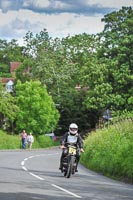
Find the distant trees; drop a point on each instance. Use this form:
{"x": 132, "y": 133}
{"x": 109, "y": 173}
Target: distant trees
{"x": 102, "y": 64}
{"x": 10, "y": 51}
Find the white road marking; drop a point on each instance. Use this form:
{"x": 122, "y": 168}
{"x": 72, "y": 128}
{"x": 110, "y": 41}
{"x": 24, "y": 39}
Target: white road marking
{"x": 22, "y": 163}
{"x": 31, "y": 156}
{"x": 38, "y": 177}
{"x": 71, "y": 193}
{"x": 24, "y": 168}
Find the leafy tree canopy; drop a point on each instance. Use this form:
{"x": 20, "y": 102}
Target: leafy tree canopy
{"x": 37, "y": 110}
{"x": 8, "y": 106}
{"x": 110, "y": 74}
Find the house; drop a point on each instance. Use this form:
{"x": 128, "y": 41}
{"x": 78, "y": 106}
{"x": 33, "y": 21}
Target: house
{"x": 8, "y": 82}
{"x": 9, "y": 86}
{"x": 14, "y": 66}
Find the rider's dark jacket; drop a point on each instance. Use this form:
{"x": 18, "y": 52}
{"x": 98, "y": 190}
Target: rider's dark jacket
{"x": 73, "y": 139}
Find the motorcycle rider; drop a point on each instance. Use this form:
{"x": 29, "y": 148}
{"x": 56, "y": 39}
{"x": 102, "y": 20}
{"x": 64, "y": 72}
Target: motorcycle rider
{"x": 72, "y": 137}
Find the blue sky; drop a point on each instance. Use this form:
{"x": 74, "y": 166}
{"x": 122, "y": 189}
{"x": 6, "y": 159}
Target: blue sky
{"x": 60, "y": 17}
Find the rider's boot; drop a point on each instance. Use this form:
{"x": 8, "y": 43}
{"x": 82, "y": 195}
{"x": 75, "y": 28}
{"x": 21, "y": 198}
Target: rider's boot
{"x": 76, "y": 168}
{"x": 61, "y": 167}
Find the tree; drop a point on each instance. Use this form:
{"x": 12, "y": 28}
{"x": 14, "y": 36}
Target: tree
{"x": 58, "y": 64}
{"x": 116, "y": 53}
{"x": 110, "y": 74}
{"x": 24, "y": 72}
{"x": 10, "y": 51}
{"x": 8, "y": 109}
{"x": 37, "y": 109}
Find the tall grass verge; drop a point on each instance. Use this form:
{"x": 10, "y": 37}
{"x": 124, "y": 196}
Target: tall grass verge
{"x": 110, "y": 151}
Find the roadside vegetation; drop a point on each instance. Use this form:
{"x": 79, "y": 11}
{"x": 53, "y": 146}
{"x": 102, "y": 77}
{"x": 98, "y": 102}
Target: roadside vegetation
{"x": 13, "y": 141}
{"x": 109, "y": 151}
{"x": 73, "y": 79}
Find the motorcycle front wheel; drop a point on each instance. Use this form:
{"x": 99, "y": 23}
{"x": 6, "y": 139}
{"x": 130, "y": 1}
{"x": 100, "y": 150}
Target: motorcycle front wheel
{"x": 69, "y": 171}
{"x": 71, "y": 168}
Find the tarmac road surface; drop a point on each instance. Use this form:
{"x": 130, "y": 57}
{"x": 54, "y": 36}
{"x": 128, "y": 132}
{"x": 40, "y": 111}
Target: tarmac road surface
{"x": 34, "y": 175}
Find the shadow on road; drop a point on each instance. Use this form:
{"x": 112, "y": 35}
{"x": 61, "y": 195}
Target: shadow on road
{"x": 30, "y": 196}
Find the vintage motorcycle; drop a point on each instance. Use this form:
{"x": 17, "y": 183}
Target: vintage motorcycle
{"x": 69, "y": 161}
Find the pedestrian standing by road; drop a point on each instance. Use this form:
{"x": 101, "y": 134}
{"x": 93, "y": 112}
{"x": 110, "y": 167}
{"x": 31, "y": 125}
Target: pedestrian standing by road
{"x": 23, "y": 139}
{"x": 30, "y": 140}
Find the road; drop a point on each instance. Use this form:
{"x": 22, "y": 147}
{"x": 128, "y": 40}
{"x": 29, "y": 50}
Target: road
{"x": 34, "y": 175}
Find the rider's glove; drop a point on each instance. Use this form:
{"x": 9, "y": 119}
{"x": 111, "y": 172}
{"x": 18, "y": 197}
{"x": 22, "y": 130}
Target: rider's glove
{"x": 62, "y": 146}
{"x": 82, "y": 150}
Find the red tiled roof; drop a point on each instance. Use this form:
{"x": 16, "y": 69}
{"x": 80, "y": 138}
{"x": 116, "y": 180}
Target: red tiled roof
{"x": 13, "y": 67}
{"x": 5, "y": 80}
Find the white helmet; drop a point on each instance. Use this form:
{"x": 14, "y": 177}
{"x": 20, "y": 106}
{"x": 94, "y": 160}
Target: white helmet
{"x": 73, "y": 129}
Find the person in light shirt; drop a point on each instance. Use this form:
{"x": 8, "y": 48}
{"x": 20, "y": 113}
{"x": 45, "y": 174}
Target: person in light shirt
{"x": 30, "y": 140}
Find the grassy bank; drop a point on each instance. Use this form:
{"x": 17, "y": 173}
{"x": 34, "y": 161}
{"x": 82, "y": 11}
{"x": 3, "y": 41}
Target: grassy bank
{"x": 110, "y": 151}
{"x": 14, "y": 142}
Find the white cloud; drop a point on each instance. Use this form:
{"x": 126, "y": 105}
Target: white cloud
{"x": 41, "y": 3}
{"x": 57, "y": 4}
{"x": 59, "y": 25}
{"x": 5, "y": 5}
{"x": 66, "y": 24}
{"x": 112, "y": 3}
{"x": 29, "y": 15}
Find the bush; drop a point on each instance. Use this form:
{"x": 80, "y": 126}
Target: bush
{"x": 43, "y": 141}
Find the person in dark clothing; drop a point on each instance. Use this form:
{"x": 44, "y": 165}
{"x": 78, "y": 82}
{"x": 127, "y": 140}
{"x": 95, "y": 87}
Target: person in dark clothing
{"x": 71, "y": 137}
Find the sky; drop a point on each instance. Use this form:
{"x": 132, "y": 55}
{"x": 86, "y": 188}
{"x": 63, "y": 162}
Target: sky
{"x": 59, "y": 17}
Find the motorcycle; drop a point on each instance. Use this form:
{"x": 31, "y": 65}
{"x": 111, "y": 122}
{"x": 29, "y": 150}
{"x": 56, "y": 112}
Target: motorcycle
{"x": 69, "y": 162}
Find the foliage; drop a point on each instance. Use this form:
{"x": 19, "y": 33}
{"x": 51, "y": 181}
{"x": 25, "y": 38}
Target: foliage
{"x": 23, "y": 73}
{"x": 101, "y": 63}
{"x": 44, "y": 141}
{"x": 109, "y": 73}
{"x": 4, "y": 68}
{"x": 9, "y": 141}
{"x": 110, "y": 151}
{"x": 8, "y": 108}
{"x": 14, "y": 142}
{"x": 55, "y": 64}
{"x": 10, "y": 51}
{"x": 116, "y": 52}
{"x": 37, "y": 110}
{"x": 119, "y": 116}
{"x": 5, "y": 75}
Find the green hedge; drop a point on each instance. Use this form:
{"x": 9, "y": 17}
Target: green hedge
{"x": 110, "y": 151}
{"x": 5, "y": 75}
